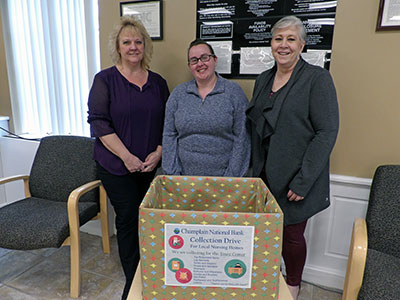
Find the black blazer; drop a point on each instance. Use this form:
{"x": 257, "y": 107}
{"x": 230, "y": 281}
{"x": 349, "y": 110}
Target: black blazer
{"x": 300, "y": 130}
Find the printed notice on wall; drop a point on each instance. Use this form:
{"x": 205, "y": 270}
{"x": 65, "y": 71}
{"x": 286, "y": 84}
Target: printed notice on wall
{"x": 255, "y": 60}
{"x": 208, "y": 255}
{"x": 223, "y": 50}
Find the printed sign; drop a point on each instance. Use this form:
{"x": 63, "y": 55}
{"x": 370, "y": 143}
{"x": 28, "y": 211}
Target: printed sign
{"x": 216, "y": 30}
{"x": 310, "y": 6}
{"x": 208, "y": 255}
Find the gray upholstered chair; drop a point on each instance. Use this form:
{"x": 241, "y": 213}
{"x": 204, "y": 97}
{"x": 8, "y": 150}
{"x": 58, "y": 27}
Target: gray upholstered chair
{"x": 62, "y": 193}
{"x": 373, "y": 269}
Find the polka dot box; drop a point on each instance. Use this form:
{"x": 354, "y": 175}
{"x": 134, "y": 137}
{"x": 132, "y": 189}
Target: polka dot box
{"x": 221, "y": 201}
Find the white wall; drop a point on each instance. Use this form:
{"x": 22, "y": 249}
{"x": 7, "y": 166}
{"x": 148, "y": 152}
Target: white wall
{"x": 4, "y": 125}
{"x": 328, "y": 233}
{"x": 16, "y": 159}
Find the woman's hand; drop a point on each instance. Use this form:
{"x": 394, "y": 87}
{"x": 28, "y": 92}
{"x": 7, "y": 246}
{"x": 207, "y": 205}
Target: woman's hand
{"x": 133, "y": 163}
{"x": 152, "y": 160}
{"x": 113, "y": 144}
{"x": 292, "y": 196}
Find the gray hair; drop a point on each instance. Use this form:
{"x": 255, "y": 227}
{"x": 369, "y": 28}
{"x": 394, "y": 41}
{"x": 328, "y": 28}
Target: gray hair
{"x": 289, "y": 21}
{"x": 136, "y": 27}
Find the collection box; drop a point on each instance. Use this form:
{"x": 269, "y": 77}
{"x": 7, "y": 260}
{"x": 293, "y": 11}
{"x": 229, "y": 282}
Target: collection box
{"x": 210, "y": 238}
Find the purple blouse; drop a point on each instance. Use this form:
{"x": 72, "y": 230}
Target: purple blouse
{"x": 136, "y": 116}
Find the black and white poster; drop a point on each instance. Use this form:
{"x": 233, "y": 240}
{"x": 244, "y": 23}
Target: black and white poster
{"x": 247, "y": 24}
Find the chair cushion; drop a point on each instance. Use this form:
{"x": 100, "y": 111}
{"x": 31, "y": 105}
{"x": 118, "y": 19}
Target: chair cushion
{"x": 35, "y": 223}
{"x": 381, "y": 277}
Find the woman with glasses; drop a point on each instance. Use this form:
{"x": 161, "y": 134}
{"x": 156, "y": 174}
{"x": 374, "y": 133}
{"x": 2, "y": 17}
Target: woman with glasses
{"x": 205, "y": 122}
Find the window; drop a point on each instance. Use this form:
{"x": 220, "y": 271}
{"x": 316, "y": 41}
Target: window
{"x": 52, "y": 52}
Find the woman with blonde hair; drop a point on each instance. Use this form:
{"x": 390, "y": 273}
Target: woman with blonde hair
{"x": 126, "y": 115}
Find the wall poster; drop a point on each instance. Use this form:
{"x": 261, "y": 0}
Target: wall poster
{"x": 241, "y": 31}
{"x": 147, "y": 11}
{"x": 388, "y": 15}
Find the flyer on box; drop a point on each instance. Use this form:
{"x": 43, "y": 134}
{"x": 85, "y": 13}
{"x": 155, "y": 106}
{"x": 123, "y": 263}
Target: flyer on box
{"x": 208, "y": 255}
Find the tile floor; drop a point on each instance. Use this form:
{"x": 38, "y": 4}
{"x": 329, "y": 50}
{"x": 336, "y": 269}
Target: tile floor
{"x": 44, "y": 274}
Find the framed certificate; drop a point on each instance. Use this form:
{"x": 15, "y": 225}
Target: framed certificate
{"x": 388, "y": 15}
{"x": 149, "y": 12}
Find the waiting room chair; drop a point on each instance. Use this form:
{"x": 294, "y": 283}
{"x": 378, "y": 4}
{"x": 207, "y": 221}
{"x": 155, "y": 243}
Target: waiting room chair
{"x": 62, "y": 193}
{"x": 373, "y": 268}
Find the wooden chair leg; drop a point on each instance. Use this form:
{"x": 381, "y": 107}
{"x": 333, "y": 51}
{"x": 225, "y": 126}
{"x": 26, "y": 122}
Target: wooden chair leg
{"x": 75, "y": 283}
{"x": 75, "y": 246}
{"x": 104, "y": 220}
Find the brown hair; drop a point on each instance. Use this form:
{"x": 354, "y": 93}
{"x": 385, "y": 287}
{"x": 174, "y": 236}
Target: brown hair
{"x": 197, "y": 42}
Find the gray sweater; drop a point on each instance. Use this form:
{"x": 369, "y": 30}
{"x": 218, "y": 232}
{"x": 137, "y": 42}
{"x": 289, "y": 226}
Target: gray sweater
{"x": 206, "y": 137}
{"x": 300, "y": 129}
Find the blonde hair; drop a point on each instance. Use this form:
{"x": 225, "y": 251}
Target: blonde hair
{"x": 136, "y": 27}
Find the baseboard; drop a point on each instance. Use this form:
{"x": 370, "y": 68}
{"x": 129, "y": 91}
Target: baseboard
{"x": 323, "y": 277}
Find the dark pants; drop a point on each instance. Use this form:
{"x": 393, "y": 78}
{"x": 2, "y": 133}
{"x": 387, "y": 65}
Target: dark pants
{"x": 294, "y": 252}
{"x": 294, "y": 248}
{"x": 126, "y": 192}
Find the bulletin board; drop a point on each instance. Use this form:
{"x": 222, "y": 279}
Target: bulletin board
{"x": 240, "y": 31}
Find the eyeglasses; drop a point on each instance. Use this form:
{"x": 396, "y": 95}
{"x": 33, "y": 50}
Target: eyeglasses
{"x": 204, "y": 58}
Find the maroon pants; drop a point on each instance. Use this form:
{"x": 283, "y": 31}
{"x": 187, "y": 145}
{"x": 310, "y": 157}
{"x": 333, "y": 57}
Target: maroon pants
{"x": 294, "y": 251}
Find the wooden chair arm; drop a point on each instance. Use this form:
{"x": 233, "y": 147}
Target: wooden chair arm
{"x": 74, "y": 235}
{"x": 74, "y": 197}
{"x": 356, "y": 261}
{"x": 25, "y": 178}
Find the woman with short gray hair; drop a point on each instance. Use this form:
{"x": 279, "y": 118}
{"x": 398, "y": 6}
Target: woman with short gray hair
{"x": 293, "y": 122}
